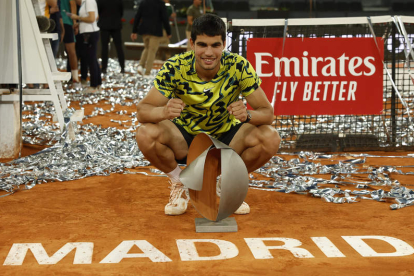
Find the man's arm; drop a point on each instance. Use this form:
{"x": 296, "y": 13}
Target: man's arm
{"x": 155, "y": 107}
{"x": 62, "y": 27}
{"x": 190, "y": 17}
{"x": 87, "y": 19}
{"x": 262, "y": 113}
{"x": 51, "y": 3}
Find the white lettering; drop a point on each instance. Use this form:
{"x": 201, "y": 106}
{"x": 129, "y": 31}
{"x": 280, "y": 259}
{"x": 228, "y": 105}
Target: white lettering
{"x": 188, "y": 250}
{"x": 401, "y": 247}
{"x": 331, "y": 66}
{"x": 17, "y": 254}
{"x": 305, "y": 64}
{"x": 149, "y": 251}
{"x": 307, "y": 91}
{"x": 327, "y": 247}
{"x": 316, "y": 92}
{"x": 334, "y": 83}
{"x": 351, "y": 90}
{"x": 259, "y": 63}
{"x": 354, "y": 63}
{"x": 261, "y": 251}
{"x": 325, "y": 91}
{"x": 342, "y": 90}
{"x": 284, "y": 99}
{"x": 342, "y": 65}
{"x": 287, "y": 62}
{"x": 293, "y": 86}
{"x": 315, "y": 65}
{"x": 369, "y": 65}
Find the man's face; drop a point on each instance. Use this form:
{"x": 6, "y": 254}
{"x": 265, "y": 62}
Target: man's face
{"x": 197, "y": 2}
{"x": 207, "y": 50}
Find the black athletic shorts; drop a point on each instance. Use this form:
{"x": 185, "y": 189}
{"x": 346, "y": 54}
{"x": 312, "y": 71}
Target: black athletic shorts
{"x": 225, "y": 137}
{"x": 69, "y": 34}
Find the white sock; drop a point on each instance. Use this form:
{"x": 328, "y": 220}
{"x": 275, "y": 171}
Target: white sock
{"x": 175, "y": 174}
{"x": 75, "y": 75}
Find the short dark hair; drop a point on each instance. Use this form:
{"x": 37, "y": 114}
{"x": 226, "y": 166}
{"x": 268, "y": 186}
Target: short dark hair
{"x": 208, "y": 24}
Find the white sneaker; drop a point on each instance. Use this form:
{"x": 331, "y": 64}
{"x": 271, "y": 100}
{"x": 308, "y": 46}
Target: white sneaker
{"x": 140, "y": 70}
{"x": 244, "y": 208}
{"x": 77, "y": 85}
{"x": 96, "y": 90}
{"x": 177, "y": 204}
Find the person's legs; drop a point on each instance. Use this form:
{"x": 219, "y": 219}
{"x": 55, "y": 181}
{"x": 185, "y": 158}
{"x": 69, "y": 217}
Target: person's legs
{"x": 69, "y": 41}
{"x": 162, "y": 144}
{"x": 55, "y": 45}
{"x": 104, "y": 49}
{"x": 165, "y": 41}
{"x": 154, "y": 43}
{"x": 93, "y": 64}
{"x": 144, "y": 55}
{"x": 82, "y": 58}
{"x": 255, "y": 144}
{"x": 116, "y": 35}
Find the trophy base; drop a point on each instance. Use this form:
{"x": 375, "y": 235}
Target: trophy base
{"x": 204, "y": 225}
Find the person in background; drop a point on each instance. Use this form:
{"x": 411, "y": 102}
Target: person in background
{"x": 193, "y": 12}
{"x": 149, "y": 21}
{"x": 110, "y": 16}
{"x": 68, "y": 7}
{"x": 81, "y": 57}
{"x": 88, "y": 27}
{"x": 59, "y": 28}
{"x": 165, "y": 39}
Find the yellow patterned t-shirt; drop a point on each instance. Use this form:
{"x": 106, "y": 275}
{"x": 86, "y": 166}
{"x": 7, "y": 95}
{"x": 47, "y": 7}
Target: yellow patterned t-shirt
{"x": 207, "y": 101}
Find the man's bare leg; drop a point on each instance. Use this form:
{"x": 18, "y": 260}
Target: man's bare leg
{"x": 73, "y": 60}
{"x": 162, "y": 144}
{"x": 256, "y": 145}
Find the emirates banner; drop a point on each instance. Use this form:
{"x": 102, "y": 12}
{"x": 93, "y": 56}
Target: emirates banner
{"x": 320, "y": 76}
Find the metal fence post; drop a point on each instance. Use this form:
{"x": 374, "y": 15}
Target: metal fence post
{"x": 393, "y": 95}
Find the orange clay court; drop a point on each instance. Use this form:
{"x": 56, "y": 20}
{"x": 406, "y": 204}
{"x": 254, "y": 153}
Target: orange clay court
{"x": 115, "y": 225}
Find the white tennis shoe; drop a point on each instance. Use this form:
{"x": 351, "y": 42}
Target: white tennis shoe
{"x": 140, "y": 70}
{"x": 177, "y": 204}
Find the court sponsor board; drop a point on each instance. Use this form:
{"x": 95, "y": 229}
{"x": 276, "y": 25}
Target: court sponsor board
{"x": 320, "y": 76}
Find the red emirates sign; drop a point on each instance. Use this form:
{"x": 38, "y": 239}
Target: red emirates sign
{"x": 320, "y": 76}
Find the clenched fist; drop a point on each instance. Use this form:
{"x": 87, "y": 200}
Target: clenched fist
{"x": 173, "y": 108}
{"x": 238, "y": 110}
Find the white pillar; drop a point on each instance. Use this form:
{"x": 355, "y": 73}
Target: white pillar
{"x": 9, "y": 129}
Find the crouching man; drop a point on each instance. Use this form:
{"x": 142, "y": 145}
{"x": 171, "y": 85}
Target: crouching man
{"x": 199, "y": 92}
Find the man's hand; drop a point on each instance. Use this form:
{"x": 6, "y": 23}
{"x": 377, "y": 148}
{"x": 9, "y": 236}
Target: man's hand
{"x": 238, "y": 110}
{"x": 134, "y": 36}
{"x": 173, "y": 108}
{"x": 76, "y": 28}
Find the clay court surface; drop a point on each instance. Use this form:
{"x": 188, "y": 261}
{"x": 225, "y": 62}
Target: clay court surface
{"x": 127, "y": 210}
{"x": 107, "y": 211}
